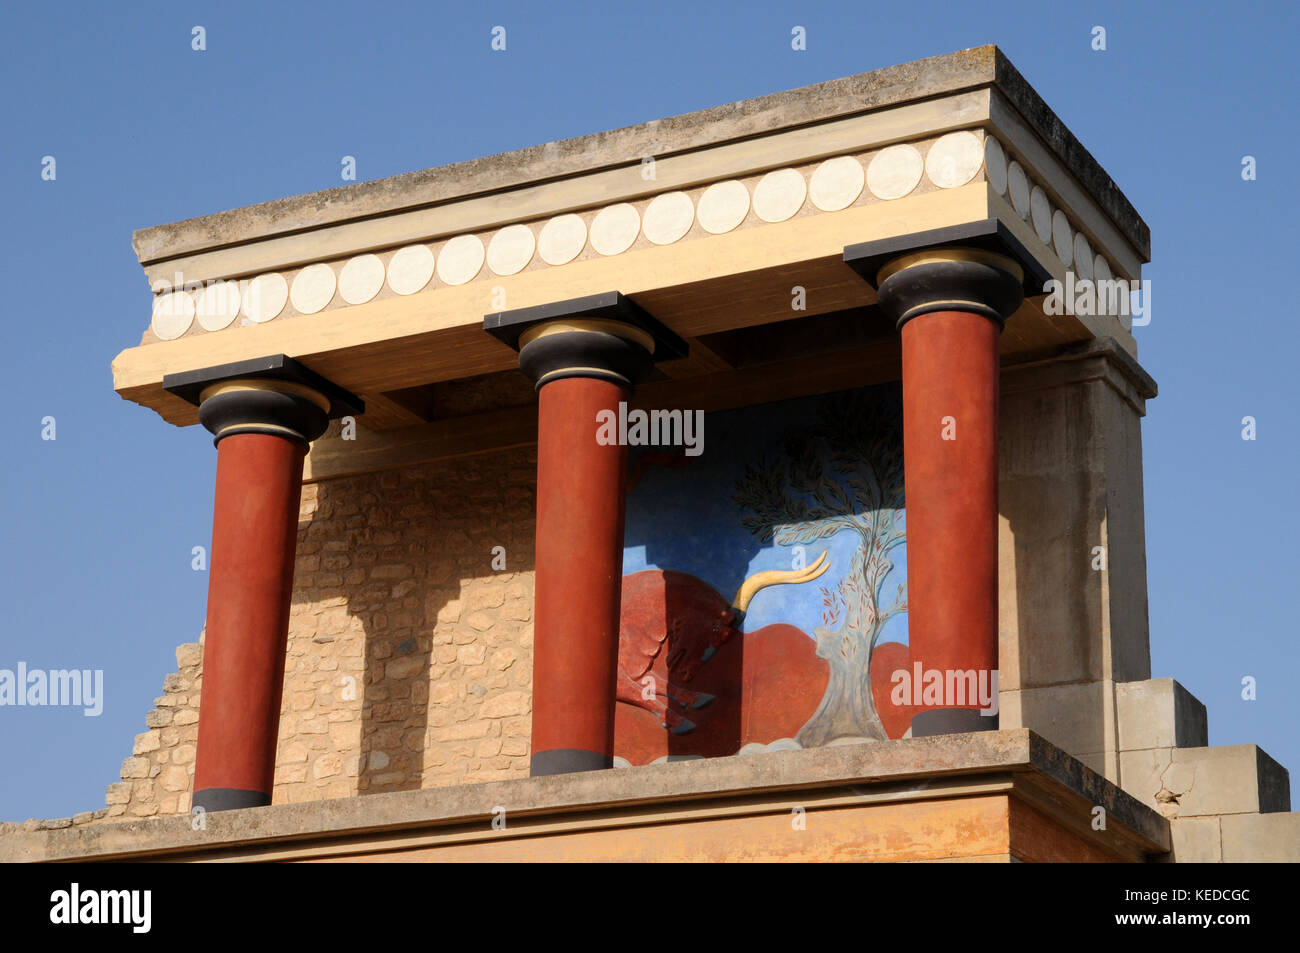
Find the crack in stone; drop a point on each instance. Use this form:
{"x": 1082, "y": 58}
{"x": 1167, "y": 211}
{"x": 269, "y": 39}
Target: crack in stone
{"x": 1167, "y": 800}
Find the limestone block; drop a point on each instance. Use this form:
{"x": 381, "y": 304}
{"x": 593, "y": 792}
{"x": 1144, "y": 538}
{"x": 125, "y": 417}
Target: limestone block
{"x": 1255, "y": 838}
{"x": 1072, "y": 600}
{"x": 188, "y": 655}
{"x": 1196, "y": 840}
{"x": 1159, "y": 713}
{"x": 175, "y": 778}
{"x": 507, "y": 703}
{"x": 1197, "y": 782}
{"x": 1076, "y": 718}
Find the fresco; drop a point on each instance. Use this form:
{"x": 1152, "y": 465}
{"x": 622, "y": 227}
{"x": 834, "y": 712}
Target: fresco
{"x": 764, "y": 587}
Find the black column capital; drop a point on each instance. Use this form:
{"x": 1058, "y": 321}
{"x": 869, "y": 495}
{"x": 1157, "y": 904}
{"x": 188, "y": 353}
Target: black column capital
{"x": 273, "y": 395}
{"x": 605, "y": 336}
{"x": 980, "y": 267}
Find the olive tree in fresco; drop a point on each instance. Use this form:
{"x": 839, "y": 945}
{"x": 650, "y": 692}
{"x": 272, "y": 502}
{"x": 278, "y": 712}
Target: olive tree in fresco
{"x": 844, "y": 473}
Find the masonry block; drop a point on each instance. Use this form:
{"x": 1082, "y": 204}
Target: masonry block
{"x": 1159, "y": 713}
{"x": 1197, "y": 782}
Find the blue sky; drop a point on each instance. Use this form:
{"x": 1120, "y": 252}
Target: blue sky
{"x": 99, "y": 524}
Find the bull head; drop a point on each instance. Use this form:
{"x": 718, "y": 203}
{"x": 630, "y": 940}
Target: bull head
{"x": 761, "y": 580}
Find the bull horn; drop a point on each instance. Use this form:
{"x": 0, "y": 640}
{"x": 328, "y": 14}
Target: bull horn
{"x": 777, "y": 577}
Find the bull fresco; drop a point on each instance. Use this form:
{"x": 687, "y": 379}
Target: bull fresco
{"x": 764, "y": 589}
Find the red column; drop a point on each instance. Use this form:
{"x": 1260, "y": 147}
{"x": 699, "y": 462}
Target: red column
{"x": 263, "y": 414}
{"x": 585, "y": 355}
{"x": 254, "y": 538}
{"x": 950, "y": 438}
{"x": 950, "y": 302}
{"x": 579, "y": 566}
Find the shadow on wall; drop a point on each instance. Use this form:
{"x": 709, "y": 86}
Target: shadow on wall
{"x": 410, "y": 648}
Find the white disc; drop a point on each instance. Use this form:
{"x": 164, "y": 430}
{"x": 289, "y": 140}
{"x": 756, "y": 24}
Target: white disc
{"x": 361, "y": 279}
{"x": 511, "y": 249}
{"x": 1101, "y": 268}
{"x": 461, "y": 259}
{"x": 1018, "y": 186}
{"x": 837, "y": 183}
{"x": 410, "y": 269}
{"x": 217, "y": 305}
{"x": 615, "y": 228}
{"x": 173, "y": 313}
{"x": 668, "y": 217}
{"x": 1062, "y": 237}
{"x": 313, "y": 288}
{"x": 779, "y": 195}
{"x": 723, "y": 206}
{"x": 1082, "y": 256}
{"x": 1041, "y": 211}
{"x": 894, "y": 172}
{"x": 562, "y": 239}
{"x": 995, "y": 164}
{"x": 954, "y": 159}
{"x": 264, "y": 298}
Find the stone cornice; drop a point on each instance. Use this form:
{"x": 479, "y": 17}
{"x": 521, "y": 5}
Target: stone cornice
{"x": 1014, "y": 759}
{"x": 948, "y": 75}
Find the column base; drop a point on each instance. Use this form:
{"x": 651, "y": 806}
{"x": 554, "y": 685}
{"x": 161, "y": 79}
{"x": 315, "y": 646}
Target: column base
{"x": 951, "y": 721}
{"x": 567, "y": 761}
{"x": 229, "y": 799}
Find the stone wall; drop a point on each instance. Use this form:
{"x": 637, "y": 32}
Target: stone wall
{"x": 409, "y": 657}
